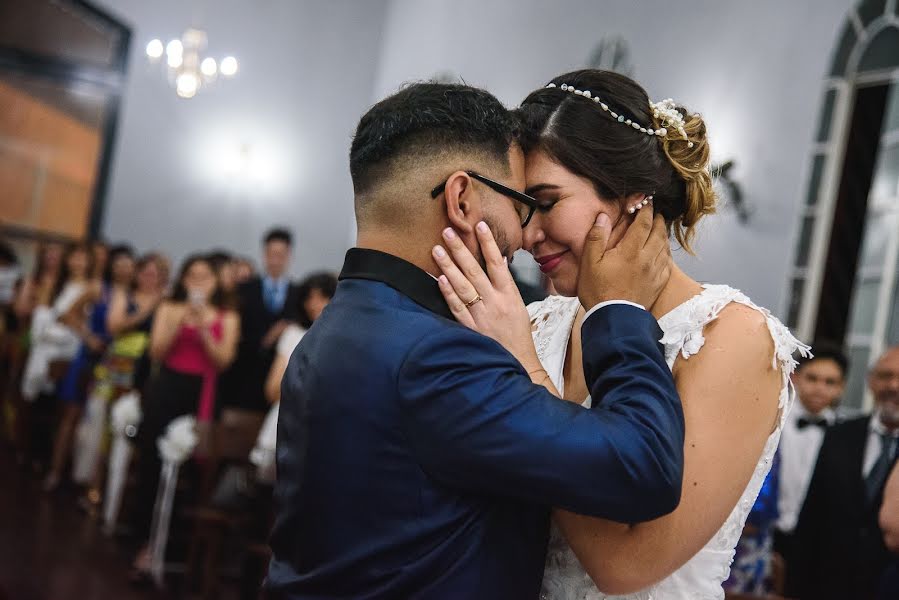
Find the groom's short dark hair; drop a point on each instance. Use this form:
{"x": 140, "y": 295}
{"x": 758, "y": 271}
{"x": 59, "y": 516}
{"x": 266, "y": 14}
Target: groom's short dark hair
{"x": 425, "y": 120}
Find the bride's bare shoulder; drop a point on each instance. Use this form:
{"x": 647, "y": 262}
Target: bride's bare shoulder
{"x": 738, "y": 341}
{"x": 741, "y": 320}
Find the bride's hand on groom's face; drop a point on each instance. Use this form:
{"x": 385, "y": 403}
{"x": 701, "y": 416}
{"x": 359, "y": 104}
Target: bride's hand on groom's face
{"x": 487, "y": 302}
{"x": 636, "y": 269}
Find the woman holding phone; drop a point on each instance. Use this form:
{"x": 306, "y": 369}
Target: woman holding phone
{"x": 193, "y": 338}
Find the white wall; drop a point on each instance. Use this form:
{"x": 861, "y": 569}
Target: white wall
{"x": 310, "y": 69}
{"x": 753, "y": 69}
{"x": 306, "y": 74}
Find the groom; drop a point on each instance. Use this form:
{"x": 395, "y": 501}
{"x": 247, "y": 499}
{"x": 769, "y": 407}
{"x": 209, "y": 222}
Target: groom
{"x": 416, "y": 458}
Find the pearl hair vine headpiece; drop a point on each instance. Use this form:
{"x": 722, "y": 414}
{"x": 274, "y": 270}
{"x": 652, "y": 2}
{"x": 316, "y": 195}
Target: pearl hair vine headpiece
{"x": 665, "y": 111}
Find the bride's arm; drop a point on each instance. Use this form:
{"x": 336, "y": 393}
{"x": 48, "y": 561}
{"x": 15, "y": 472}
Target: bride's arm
{"x": 729, "y": 394}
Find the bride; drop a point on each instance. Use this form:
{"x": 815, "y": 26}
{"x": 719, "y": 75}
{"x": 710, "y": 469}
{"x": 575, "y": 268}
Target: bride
{"x": 596, "y": 145}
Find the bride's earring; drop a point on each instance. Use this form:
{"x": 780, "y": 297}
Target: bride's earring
{"x": 639, "y": 205}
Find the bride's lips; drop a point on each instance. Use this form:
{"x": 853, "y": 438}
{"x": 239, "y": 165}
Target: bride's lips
{"x": 550, "y": 262}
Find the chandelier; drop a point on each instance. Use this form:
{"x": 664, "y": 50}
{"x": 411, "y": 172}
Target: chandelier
{"x": 187, "y": 69}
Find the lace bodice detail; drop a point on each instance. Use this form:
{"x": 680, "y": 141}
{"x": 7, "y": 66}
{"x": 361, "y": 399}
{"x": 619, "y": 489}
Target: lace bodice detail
{"x": 702, "y": 576}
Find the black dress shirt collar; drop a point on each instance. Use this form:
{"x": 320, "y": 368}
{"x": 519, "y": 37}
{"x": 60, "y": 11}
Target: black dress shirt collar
{"x": 403, "y": 276}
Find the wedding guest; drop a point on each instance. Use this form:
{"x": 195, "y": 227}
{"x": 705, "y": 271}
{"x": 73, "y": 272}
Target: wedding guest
{"x": 819, "y": 382}
{"x": 128, "y": 323}
{"x": 130, "y": 319}
{"x": 73, "y": 387}
{"x": 51, "y": 339}
{"x": 839, "y": 547}
{"x": 243, "y": 270}
{"x": 267, "y": 305}
{"x": 193, "y": 338}
{"x": 314, "y": 294}
{"x": 53, "y": 343}
{"x": 225, "y": 268}
{"x": 40, "y": 283}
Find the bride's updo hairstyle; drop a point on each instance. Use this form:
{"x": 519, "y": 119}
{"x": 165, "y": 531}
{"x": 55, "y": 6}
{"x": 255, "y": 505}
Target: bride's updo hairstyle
{"x": 590, "y": 138}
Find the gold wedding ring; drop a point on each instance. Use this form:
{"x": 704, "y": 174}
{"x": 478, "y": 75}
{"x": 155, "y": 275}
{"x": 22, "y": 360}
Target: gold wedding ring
{"x": 473, "y": 302}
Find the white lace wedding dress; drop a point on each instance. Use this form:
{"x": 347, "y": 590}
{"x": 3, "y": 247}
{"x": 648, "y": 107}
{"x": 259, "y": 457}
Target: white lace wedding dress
{"x": 702, "y": 576}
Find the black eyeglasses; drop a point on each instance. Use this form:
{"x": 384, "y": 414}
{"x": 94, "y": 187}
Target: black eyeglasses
{"x": 527, "y": 201}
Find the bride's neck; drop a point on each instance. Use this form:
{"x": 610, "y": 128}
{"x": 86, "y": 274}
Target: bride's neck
{"x": 680, "y": 288}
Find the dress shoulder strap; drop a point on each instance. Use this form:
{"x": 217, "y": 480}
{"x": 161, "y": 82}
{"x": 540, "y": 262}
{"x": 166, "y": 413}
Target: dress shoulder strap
{"x": 684, "y": 325}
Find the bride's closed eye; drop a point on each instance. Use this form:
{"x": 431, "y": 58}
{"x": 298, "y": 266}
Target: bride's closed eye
{"x": 546, "y": 194}
{"x": 547, "y": 201}
{"x": 544, "y": 206}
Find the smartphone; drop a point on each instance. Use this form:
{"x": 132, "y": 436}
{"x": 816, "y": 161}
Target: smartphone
{"x": 197, "y": 298}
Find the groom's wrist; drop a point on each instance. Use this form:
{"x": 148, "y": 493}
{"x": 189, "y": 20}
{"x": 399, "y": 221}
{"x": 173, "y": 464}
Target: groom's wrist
{"x": 602, "y": 305}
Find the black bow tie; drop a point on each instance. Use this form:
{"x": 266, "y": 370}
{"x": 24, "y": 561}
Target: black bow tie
{"x": 803, "y": 422}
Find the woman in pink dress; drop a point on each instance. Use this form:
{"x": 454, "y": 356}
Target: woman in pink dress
{"x": 193, "y": 338}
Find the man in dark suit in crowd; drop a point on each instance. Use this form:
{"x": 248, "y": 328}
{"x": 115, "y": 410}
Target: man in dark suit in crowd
{"x": 267, "y": 304}
{"x": 839, "y": 546}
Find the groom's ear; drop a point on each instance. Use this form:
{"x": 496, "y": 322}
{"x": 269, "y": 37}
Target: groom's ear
{"x": 460, "y": 202}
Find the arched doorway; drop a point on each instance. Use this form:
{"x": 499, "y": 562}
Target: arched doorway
{"x": 845, "y": 276}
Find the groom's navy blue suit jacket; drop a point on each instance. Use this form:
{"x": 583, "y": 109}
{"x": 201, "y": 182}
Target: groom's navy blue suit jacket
{"x": 417, "y": 460}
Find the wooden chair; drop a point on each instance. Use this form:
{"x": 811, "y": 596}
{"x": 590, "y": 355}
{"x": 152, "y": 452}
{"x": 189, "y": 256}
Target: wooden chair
{"x": 232, "y": 439}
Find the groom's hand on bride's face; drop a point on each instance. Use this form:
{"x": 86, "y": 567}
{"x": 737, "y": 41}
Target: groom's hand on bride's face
{"x": 636, "y": 269}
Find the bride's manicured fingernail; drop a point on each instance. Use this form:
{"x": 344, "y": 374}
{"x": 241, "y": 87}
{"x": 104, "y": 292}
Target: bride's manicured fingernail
{"x": 482, "y": 227}
{"x": 449, "y": 234}
{"x": 439, "y": 252}
{"x": 442, "y": 279}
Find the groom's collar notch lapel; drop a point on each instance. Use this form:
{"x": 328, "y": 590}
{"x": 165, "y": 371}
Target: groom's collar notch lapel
{"x": 403, "y": 276}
